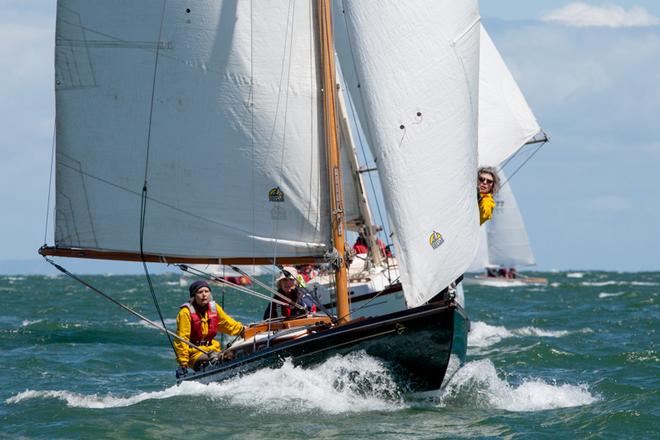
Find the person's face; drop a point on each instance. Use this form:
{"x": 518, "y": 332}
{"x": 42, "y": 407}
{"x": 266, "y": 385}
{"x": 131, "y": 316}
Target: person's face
{"x": 287, "y": 284}
{"x": 485, "y": 183}
{"x": 203, "y": 296}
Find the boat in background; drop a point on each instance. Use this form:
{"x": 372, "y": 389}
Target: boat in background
{"x": 504, "y": 247}
{"x": 509, "y": 126}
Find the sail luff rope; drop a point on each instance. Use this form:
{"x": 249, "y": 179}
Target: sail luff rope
{"x": 143, "y": 204}
{"x": 50, "y": 185}
{"x": 123, "y": 306}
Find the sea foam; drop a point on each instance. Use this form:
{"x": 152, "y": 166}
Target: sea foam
{"x": 477, "y": 384}
{"x": 351, "y": 383}
{"x": 485, "y": 335}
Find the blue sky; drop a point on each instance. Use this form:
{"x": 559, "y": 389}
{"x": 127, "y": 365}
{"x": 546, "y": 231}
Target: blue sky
{"x": 590, "y": 71}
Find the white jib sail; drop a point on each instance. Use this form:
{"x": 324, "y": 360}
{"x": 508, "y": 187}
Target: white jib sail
{"x": 418, "y": 68}
{"x": 234, "y": 165}
{"x": 508, "y": 244}
{"x": 506, "y": 122}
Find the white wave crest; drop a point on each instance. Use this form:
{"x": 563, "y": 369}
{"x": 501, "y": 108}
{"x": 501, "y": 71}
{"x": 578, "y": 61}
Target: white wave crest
{"x": 485, "y": 335}
{"x": 607, "y": 295}
{"x": 352, "y": 383}
{"x": 477, "y": 384}
{"x": 599, "y": 283}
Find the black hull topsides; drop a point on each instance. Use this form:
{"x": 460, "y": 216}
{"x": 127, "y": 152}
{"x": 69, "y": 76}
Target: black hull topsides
{"x": 415, "y": 344}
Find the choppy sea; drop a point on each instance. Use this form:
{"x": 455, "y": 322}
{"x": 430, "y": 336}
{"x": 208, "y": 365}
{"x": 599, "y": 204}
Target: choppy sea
{"x": 575, "y": 359}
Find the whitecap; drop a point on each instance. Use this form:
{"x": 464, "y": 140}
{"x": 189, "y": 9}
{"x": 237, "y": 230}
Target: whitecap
{"x": 27, "y": 322}
{"x": 484, "y": 335}
{"x": 351, "y": 383}
{"x": 607, "y": 295}
{"x": 598, "y": 283}
{"x": 477, "y": 384}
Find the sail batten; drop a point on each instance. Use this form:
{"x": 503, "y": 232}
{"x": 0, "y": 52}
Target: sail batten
{"x": 235, "y": 165}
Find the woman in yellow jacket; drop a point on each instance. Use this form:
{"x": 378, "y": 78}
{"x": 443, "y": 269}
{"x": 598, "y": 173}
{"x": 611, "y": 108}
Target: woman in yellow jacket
{"x": 488, "y": 183}
{"x": 198, "y": 321}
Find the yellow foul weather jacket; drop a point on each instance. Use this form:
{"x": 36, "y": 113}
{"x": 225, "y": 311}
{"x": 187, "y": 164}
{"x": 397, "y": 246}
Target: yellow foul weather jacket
{"x": 187, "y": 356}
{"x": 486, "y": 206}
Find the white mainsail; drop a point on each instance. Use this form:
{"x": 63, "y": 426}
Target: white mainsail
{"x": 417, "y": 68}
{"x": 506, "y": 122}
{"x": 234, "y": 167}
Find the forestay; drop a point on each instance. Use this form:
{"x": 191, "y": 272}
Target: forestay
{"x": 506, "y": 122}
{"x": 417, "y": 68}
{"x": 231, "y": 144}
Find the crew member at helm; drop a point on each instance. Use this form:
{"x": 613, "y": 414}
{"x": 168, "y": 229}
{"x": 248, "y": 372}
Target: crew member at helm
{"x": 198, "y": 321}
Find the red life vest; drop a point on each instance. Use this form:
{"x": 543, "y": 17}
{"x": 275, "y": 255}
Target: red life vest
{"x": 196, "y": 323}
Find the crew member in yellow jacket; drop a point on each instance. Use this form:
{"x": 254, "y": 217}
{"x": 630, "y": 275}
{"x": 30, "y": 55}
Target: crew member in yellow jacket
{"x": 487, "y": 185}
{"x": 198, "y": 321}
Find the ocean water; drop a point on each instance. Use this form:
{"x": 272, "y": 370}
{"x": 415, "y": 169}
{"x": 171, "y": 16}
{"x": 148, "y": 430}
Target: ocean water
{"x": 575, "y": 359}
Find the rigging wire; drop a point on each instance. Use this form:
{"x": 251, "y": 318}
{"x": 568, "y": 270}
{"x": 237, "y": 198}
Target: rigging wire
{"x": 143, "y": 204}
{"x": 123, "y": 306}
{"x": 522, "y": 164}
{"x": 256, "y": 281}
{"x": 219, "y": 280}
{"x": 50, "y": 186}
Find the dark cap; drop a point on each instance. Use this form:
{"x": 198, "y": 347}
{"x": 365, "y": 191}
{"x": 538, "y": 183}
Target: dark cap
{"x": 194, "y": 287}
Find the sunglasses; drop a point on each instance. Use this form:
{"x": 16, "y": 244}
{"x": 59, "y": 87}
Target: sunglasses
{"x": 484, "y": 180}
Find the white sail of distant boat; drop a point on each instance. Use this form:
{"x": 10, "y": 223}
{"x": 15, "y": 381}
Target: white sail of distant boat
{"x": 205, "y": 133}
{"x": 504, "y": 241}
{"x": 508, "y": 124}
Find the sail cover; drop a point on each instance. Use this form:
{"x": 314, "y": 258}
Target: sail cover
{"x": 417, "y": 67}
{"x": 215, "y": 104}
{"x": 506, "y": 122}
{"x": 508, "y": 244}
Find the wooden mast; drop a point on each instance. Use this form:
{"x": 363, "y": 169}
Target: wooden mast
{"x": 332, "y": 150}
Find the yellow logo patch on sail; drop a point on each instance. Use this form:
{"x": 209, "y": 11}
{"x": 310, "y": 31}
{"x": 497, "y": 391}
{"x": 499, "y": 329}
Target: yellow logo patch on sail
{"x": 276, "y": 195}
{"x": 435, "y": 240}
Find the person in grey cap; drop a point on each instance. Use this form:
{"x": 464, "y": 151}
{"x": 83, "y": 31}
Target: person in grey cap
{"x": 289, "y": 284}
{"x": 198, "y": 321}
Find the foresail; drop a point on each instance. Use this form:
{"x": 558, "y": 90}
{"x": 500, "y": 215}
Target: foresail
{"x": 508, "y": 244}
{"x": 214, "y": 104}
{"x": 417, "y": 67}
{"x": 506, "y": 122}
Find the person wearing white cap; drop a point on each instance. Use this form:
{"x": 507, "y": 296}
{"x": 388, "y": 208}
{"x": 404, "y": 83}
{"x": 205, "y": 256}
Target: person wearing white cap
{"x": 290, "y": 287}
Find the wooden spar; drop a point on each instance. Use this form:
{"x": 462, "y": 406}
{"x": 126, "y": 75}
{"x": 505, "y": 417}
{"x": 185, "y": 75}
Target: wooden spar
{"x": 332, "y": 150}
{"x": 171, "y": 259}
